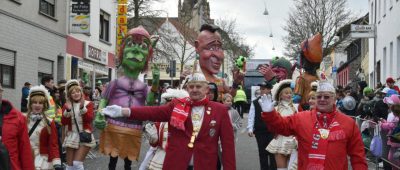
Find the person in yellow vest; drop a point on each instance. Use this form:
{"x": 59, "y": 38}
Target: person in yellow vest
{"x": 240, "y": 100}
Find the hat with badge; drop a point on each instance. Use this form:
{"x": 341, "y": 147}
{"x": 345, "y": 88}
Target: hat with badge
{"x": 325, "y": 86}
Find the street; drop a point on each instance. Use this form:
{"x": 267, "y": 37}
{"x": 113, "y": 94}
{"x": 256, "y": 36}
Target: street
{"x": 246, "y": 154}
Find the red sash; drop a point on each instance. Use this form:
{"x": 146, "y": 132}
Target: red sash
{"x": 182, "y": 109}
{"x": 326, "y": 129}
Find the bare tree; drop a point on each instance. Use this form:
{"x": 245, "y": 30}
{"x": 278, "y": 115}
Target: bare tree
{"x": 179, "y": 45}
{"x": 309, "y": 17}
{"x": 138, "y": 9}
{"x": 233, "y": 41}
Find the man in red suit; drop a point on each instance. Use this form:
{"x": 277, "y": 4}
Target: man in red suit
{"x": 326, "y": 137}
{"x": 195, "y": 126}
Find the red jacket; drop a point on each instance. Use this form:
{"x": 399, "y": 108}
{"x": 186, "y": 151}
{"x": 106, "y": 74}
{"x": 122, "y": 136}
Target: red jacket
{"x": 205, "y": 151}
{"x": 301, "y": 125}
{"x": 87, "y": 118}
{"x": 48, "y": 144}
{"x": 15, "y": 137}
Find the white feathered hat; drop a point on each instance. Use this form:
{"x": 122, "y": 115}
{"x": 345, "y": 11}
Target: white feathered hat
{"x": 39, "y": 90}
{"x": 69, "y": 84}
{"x": 278, "y": 87}
{"x": 173, "y": 93}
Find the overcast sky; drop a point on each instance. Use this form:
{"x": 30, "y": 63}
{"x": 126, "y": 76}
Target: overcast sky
{"x": 253, "y": 25}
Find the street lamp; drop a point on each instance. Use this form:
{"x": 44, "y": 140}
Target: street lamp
{"x": 265, "y": 10}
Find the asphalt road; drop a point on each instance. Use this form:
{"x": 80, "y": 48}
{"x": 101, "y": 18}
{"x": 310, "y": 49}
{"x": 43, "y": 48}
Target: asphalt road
{"x": 246, "y": 154}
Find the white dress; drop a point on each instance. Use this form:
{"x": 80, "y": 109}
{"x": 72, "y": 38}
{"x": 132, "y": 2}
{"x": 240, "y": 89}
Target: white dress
{"x": 41, "y": 161}
{"x": 283, "y": 144}
{"x": 72, "y": 137}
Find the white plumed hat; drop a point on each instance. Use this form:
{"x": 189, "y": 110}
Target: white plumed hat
{"x": 39, "y": 90}
{"x": 278, "y": 87}
{"x": 174, "y": 93}
{"x": 69, "y": 84}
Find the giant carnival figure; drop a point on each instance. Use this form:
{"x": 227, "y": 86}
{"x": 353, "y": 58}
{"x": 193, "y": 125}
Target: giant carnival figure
{"x": 211, "y": 56}
{"x": 310, "y": 59}
{"x": 279, "y": 69}
{"x": 122, "y": 137}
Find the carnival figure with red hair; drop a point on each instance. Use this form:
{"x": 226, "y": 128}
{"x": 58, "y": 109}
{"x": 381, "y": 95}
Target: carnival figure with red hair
{"x": 122, "y": 137}
{"x": 310, "y": 58}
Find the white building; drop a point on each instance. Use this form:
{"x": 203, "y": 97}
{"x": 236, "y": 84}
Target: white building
{"x": 385, "y": 61}
{"x": 32, "y": 43}
{"x": 92, "y": 54}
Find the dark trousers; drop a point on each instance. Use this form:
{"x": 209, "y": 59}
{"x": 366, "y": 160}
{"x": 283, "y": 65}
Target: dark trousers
{"x": 113, "y": 163}
{"x": 267, "y": 160}
{"x": 239, "y": 105}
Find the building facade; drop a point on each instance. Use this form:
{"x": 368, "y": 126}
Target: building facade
{"x": 384, "y": 55}
{"x": 91, "y": 56}
{"x": 32, "y": 43}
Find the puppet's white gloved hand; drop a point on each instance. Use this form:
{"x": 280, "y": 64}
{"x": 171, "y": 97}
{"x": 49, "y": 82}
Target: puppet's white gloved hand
{"x": 266, "y": 103}
{"x": 113, "y": 111}
{"x": 150, "y": 132}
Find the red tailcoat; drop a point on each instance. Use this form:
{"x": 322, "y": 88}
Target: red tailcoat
{"x": 205, "y": 150}
{"x": 301, "y": 125}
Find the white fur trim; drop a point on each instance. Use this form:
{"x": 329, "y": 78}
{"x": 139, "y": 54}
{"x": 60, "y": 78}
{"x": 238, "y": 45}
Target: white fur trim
{"x": 56, "y": 161}
{"x": 278, "y": 85}
{"x": 42, "y": 90}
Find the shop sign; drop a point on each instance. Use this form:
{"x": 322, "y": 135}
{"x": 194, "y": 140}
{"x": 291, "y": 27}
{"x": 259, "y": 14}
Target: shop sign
{"x": 85, "y": 65}
{"x": 96, "y": 55}
{"x": 79, "y": 24}
{"x": 101, "y": 69}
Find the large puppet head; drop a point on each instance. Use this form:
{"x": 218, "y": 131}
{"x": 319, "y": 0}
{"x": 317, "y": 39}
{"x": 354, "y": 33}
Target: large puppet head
{"x": 136, "y": 51}
{"x": 311, "y": 54}
{"x": 282, "y": 68}
{"x": 209, "y": 47}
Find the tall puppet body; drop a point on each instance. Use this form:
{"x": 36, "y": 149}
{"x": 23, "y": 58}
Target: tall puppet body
{"x": 310, "y": 59}
{"x": 122, "y": 137}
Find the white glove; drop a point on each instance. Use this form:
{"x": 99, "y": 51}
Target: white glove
{"x": 112, "y": 111}
{"x": 150, "y": 133}
{"x": 266, "y": 103}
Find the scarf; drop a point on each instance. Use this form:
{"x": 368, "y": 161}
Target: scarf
{"x": 182, "y": 109}
{"x": 34, "y": 117}
{"x": 326, "y": 129}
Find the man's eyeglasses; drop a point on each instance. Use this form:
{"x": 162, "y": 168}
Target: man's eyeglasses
{"x": 325, "y": 97}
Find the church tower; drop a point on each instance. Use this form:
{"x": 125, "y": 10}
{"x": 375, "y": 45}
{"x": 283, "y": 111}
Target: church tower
{"x": 194, "y": 13}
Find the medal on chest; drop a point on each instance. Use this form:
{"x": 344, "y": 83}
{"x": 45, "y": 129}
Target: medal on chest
{"x": 324, "y": 133}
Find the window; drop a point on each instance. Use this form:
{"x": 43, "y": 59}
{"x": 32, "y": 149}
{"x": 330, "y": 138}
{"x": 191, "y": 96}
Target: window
{"x": 372, "y": 14}
{"x": 104, "y": 26}
{"x": 384, "y": 8}
{"x": 45, "y": 68}
{"x": 7, "y": 68}
{"x": 47, "y": 7}
{"x": 398, "y": 54}
{"x": 391, "y": 59}
{"x": 385, "y": 63}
